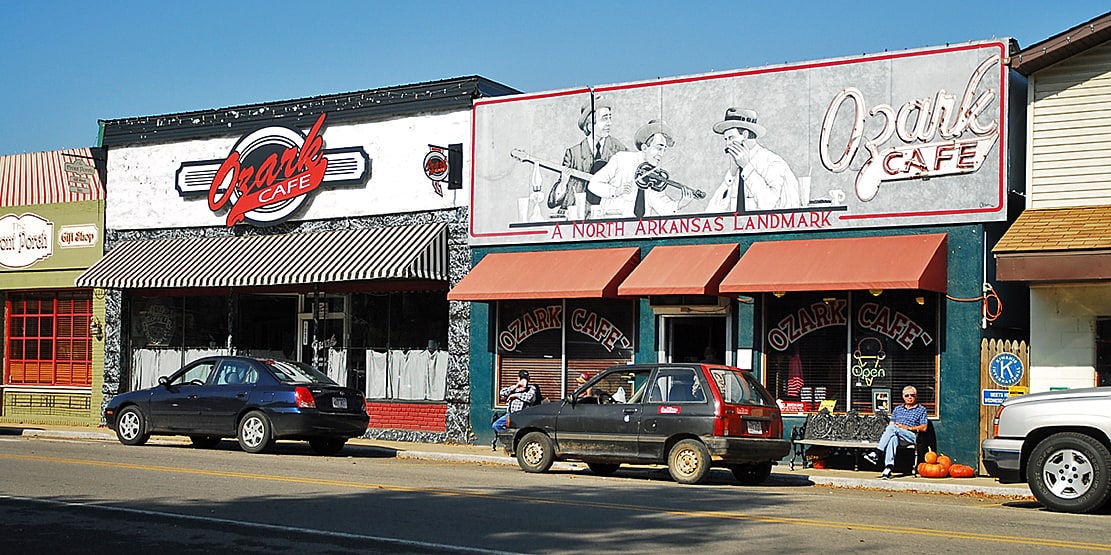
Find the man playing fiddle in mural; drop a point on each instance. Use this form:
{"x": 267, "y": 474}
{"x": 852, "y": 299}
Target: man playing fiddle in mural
{"x": 634, "y": 184}
{"x": 766, "y": 179}
{"x": 595, "y": 120}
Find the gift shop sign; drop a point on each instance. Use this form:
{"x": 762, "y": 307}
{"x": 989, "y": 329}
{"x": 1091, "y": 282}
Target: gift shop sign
{"x": 25, "y": 240}
{"x": 271, "y": 173}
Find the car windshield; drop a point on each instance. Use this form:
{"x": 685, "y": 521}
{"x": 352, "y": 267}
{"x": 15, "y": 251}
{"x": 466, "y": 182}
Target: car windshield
{"x": 741, "y": 388}
{"x": 297, "y": 372}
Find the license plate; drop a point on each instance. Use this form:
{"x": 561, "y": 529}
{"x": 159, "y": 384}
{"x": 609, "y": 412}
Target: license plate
{"x": 339, "y": 402}
{"x": 755, "y": 427}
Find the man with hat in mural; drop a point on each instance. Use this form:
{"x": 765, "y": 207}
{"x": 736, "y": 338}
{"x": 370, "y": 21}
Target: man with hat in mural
{"x": 623, "y": 183}
{"x": 766, "y": 180}
{"x": 595, "y": 120}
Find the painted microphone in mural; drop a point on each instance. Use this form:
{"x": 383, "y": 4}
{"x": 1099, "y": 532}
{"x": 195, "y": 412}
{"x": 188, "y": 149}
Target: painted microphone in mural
{"x": 916, "y": 137}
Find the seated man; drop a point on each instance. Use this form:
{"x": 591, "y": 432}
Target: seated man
{"x": 906, "y": 421}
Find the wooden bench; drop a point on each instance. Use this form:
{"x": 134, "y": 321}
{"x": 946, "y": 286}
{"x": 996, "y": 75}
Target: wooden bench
{"x": 851, "y": 432}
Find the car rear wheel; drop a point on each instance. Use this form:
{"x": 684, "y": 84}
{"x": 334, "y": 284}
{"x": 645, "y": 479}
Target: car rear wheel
{"x": 204, "y": 442}
{"x": 603, "y": 469}
{"x": 255, "y": 434}
{"x": 752, "y": 474}
{"x": 688, "y": 462}
{"x": 1068, "y": 472}
{"x": 534, "y": 453}
{"x": 327, "y": 445}
{"x": 131, "y": 427}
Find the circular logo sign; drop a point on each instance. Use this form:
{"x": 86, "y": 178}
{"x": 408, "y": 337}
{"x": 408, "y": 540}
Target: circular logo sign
{"x": 1005, "y": 369}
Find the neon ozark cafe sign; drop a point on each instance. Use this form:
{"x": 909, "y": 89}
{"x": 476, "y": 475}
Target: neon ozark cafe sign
{"x": 581, "y": 320}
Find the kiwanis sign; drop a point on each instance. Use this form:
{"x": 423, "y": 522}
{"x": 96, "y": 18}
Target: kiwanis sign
{"x": 271, "y": 173}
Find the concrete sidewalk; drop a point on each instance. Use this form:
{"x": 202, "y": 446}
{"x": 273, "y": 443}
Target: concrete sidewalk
{"x": 482, "y": 454}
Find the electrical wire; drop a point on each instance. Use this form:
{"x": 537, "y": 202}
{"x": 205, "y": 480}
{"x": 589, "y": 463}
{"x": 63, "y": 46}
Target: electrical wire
{"x": 989, "y": 298}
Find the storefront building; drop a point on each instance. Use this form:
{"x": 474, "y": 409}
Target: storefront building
{"x": 51, "y": 229}
{"x": 1061, "y": 244}
{"x": 824, "y": 224}
{"x": 325, "y": 230}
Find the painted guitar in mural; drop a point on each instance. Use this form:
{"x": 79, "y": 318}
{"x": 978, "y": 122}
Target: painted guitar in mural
{"x": 564, "y": 171}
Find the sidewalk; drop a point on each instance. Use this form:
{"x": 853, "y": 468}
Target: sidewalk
{"x": 482, "y": 454}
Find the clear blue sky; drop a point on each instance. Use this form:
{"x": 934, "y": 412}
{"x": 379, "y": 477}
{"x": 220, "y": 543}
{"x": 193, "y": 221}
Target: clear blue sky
{"x": 66, "y": 64}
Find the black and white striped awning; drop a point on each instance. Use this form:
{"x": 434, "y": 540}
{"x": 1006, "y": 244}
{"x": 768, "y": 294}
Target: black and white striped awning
{"x": 405, "y": 252}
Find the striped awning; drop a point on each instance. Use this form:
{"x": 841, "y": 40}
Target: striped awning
{"x": 416, "y": 252}
{"x": 58, "y": 176}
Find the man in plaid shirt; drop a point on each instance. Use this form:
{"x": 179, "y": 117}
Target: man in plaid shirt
{"x": 519, "y": 396}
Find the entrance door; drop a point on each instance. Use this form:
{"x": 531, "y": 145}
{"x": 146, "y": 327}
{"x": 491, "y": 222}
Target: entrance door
{"x": 695, "y": 339}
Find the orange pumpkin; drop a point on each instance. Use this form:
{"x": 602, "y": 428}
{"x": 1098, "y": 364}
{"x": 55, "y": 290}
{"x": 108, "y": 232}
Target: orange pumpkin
{"x": 932, "y": 470}
{"x": 945, "y": 462}
{"x": 930, "y": 457}
{"x": 961, "y": 471}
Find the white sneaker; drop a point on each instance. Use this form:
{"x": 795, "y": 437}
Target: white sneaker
{"x": 886, "y": 474}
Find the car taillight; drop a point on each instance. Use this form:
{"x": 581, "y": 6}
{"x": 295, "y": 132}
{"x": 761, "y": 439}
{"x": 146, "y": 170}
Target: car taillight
{"x": 304, "y": 398}
{"x": 739, "y": 421}
{"x": 995, "y": 423}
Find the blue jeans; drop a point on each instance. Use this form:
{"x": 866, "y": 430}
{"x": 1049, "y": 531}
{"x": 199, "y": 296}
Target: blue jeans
{"x": 894, "y": 436}
{"x": 500, "y": 424}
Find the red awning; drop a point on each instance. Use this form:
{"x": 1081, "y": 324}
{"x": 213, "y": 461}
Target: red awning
{"x": 889, "y": 262}
{"x": 577, "y": 274}
{"x": 680, "y": 270}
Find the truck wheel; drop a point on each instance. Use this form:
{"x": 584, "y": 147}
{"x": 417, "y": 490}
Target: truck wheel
{"x": 1068, "y": 472}
{"x": 534, "y": 453}
{"x": 688, "y": 461}
{"x": 752, "y": 474}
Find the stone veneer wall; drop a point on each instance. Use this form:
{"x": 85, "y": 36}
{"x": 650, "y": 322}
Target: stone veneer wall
{"x": 458, "y": 395}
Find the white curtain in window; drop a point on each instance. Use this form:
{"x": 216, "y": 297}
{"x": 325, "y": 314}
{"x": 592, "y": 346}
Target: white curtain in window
{"x": 147, "y": 365}
{"x": 337, "y": 365}
{"x": 394, "y": 366}
{"x": 437, "y": 376}
{"x": 376, "y": 376}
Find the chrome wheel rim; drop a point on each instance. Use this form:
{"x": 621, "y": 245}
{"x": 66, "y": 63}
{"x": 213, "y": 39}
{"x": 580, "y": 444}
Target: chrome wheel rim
{"x": 253, "y": 432}
{"x": 1068, "y": 473}
{"x": 129, "y": 425}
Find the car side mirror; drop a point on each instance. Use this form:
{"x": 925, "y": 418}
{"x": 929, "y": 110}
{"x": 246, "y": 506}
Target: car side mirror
{"x": 164, "y": 381}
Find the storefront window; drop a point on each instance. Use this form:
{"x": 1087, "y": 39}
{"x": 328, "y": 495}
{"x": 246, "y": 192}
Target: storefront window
{"x": 851, "y": 350}
{"x": 48, "y": 339}
{"x": 168, "y": 332}
{"x": 398, "y": 342}
{"x": 530, "y": 336}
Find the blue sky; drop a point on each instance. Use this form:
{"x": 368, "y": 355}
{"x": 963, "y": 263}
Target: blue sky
{"x": 67, "y": 64}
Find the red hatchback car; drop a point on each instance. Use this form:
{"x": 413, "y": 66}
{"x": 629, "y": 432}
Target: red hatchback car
{"x": 690, "y": 417}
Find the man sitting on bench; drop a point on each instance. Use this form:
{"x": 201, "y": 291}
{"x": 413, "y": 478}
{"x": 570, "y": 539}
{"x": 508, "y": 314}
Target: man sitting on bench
{"x": 906, "y": 421}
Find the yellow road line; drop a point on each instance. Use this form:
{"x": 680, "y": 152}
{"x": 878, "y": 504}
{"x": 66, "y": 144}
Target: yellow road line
{"x": 994, "y": 538}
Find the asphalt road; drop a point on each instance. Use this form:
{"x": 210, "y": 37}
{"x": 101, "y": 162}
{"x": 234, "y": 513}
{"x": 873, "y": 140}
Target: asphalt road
{"x": 100, "y": 497}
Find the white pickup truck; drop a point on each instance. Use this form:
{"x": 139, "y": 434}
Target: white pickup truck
{"x": 1058, "y": 443}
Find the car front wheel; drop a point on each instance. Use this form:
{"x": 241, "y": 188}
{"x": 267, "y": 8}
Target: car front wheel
{"x": 326, "y": 445}
{"x": 255, "y": 433}
{"x": 688, "y": 462}
{"x": 752, "y": 474}
{"x": 534, "y": 453}
{"x": 1068, "y": 472}
{"x": 131, "y": 427}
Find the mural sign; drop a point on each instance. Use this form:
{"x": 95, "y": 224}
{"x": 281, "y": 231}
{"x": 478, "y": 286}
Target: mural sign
{"x": 908, "y": 138}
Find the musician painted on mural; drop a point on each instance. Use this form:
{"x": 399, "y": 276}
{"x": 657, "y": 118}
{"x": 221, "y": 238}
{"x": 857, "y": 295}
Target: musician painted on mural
{"x": 621, "y": 182}
{"x": 766, "y": 179}
{"x": 595, "y": 120}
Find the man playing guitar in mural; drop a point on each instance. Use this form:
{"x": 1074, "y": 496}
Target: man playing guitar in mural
{"x": 589, "y": 155}
{"x": 633, "y": 184}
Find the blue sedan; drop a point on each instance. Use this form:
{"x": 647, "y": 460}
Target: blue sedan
{"x": 257, "y": 401}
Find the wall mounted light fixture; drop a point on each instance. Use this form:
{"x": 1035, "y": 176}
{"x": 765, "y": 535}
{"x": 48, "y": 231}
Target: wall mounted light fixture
{"x": 876, "y": 292}
{"x": 96, "y": 329}
{"x": 779, "y": 294}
